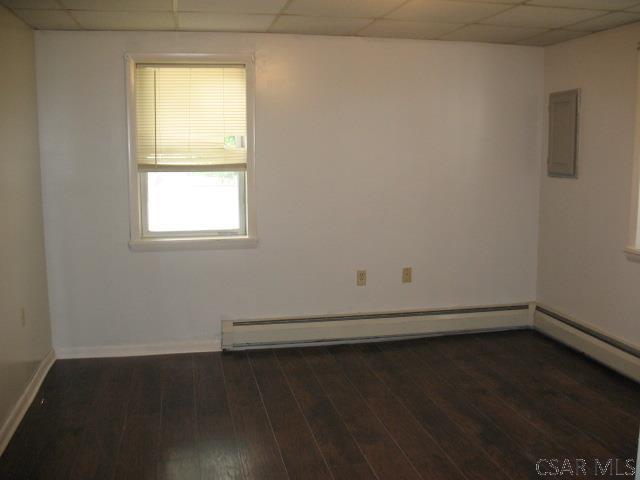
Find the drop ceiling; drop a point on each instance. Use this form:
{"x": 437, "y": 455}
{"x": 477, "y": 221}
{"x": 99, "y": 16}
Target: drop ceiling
{"x": 523, "y": 22}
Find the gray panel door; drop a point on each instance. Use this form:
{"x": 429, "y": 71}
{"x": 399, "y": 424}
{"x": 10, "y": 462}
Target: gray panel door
{"x": 563, "y": 133}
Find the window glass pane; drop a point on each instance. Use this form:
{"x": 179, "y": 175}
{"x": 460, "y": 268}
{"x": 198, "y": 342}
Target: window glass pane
{"x": 188, "y": 201}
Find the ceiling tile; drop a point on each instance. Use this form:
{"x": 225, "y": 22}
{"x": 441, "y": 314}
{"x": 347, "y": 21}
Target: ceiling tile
{"x": 47, "y": 19}
{"x": 511, "y": 2}
{"x": 541, "y": 17}
{"x": 609, "y": 20}
{"x": 124, "y": 20}
{"x": 318, "y": 25}
{"x": 593, "y": 4}
{"x": 407, "y": 29}
{"x": 492, "y": 33}
{"x": 224, "y": 22}
{"x": 551, "y": 37}
{"x": 343, "y": 8}
{"x": 119, "y": 5}
{"x": 32, "y": 4}
{"x": 446, "y": 11}
{"x": 231, "y": 6}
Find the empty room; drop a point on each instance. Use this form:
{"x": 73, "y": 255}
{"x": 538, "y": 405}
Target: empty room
{"x": 319, "y": 239}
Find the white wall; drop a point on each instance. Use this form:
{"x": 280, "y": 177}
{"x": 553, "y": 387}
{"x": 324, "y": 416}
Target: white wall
{"x": 584, "y": 223}
{"x": 371, "y": 154}
{"x": 22, "y": 264}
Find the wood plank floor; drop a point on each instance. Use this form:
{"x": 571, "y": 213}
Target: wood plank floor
{"x": 486, "y": 406}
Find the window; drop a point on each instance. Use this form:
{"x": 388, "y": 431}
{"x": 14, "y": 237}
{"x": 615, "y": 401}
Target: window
{"x": 190, "y": 152}
{"x": 633, "y": 244}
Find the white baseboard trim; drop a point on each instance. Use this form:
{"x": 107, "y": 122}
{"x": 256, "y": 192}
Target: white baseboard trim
{"x": 378, "y": 326}
{"x": 239, "y": 335}
{"x": 164, "y": 348}
{"x": 10, "y": 425}
{"x": 615, "y": 354}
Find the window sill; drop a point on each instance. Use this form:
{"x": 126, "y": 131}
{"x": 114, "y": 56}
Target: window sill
{"x": 205, "y": 243}
{"x": 633, "y": 253}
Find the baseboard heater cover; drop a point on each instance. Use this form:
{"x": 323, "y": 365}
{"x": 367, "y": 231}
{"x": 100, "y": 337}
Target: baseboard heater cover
{"x": 611, "y": 352}
{"x": 378, "y": 326}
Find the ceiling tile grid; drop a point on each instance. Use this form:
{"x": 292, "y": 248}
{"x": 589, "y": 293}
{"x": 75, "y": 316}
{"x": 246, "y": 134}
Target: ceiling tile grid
{"x": 524, "y": 22}
{"x": 224, "y": 22}
{"x": 407, "y": 29}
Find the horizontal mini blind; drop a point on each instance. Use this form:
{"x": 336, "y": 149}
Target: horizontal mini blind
{"x": 191, "y": 117}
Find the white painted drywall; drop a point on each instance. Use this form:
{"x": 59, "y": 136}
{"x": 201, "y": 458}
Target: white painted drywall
{"x": 371, "y": 154}
{"x": 22, "y": 263}
{"x": 584, "y": 223}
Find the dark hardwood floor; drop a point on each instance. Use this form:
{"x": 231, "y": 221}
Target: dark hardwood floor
{"x": 491, "y": 406}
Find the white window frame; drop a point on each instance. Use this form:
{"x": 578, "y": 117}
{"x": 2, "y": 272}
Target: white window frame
{"x": 633, "y": 245}
{"x": 144, "y": 241}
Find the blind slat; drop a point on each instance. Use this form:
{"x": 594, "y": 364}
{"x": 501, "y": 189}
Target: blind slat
{"x": 191, "y": 115}
{"x": 227, "y": 167}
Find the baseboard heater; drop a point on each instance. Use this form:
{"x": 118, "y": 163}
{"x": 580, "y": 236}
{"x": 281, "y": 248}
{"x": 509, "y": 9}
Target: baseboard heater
{"x": 365, "y": 327}
{"x": 612, "y": 352}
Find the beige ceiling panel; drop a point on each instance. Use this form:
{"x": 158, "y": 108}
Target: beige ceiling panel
{"x": 588, "y": 4}
{"x": 609, "y": 20}
{"x": 224, "y": 22}
{"x": 343, "y": 8}
{"x": 492, "y": 34}
{"x": 232, "y": 6}
{"x": 318, "y": 25}
{"x": 47, "y": 19}
{"x": 541, "y": 17}
{"x": 446, "y": 11}
{"x": 32, "y": 4}
{"x": 527, "y": 22}
{"x": 510, "y": 2}
{"x": 406, "y": 29}
{"x": 119, "y": 5}
{"x": 552, "y": 37}
{"x": 124, "y": 20}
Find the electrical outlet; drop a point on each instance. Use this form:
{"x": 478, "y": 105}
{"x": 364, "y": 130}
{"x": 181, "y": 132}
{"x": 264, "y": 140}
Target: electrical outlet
{"x": 361, "y": 278}
{"x": 23, "y": 317}
{"x": 406, "y": 275}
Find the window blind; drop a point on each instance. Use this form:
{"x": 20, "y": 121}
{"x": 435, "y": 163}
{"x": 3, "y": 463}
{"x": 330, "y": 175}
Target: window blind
{"x": 191, "y": 117}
